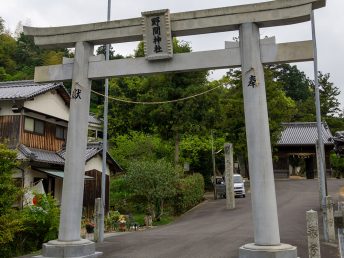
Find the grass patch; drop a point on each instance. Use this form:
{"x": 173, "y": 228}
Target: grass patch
{"x": 165, "y": 219}
{"x": 139, "y": 219}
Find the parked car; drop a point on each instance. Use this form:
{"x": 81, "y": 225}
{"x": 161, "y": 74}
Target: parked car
{"x": 239, "y": 186}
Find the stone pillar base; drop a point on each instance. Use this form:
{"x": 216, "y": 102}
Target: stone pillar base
{"x": 256, "y": 251}
{"x": 77, "y": 249}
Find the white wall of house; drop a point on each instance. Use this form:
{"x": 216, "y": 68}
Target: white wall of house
{"x": 50, "y": 103}
{"x": 96, "y": 164}
{"x": 29, "y": 176}
{"x": 6, "y": 108}
{"x": 58, "y": 189}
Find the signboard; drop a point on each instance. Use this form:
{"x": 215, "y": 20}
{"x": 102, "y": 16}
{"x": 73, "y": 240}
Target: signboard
{"x": 157, "y": 36}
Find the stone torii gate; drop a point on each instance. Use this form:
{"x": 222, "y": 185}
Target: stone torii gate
{"x": 157, "y": 28}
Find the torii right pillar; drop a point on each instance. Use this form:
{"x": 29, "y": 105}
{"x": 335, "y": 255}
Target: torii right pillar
{"x": 264, "y": 206}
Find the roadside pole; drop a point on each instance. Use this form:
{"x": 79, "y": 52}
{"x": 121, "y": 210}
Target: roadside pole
{"x": 230, "y": 199}
{"x": 102, "y": 213}
{"x": 214, "y": 167}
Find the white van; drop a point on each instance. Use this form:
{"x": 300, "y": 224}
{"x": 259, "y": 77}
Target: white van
{"x": 239, "y": 186}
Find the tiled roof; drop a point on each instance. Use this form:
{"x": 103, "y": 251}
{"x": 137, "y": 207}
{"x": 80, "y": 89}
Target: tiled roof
{"x": 303, "y": 133}
{"x": 17, "y": 90}
{"x": 91, "y": 151}
{"x": 94, "y": 120}
{"x": 58, "y": 158}
{"x": 38, "y": 155}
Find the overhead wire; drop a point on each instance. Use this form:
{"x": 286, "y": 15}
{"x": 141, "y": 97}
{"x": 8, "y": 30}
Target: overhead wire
{"x": 154, "y": 102}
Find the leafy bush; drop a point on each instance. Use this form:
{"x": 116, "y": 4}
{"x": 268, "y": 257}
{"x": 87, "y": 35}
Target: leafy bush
{"x": 111, "y": 220}
{"x": 190, "y": 192}
{"x": 10, "y": 226}
{"x": 40, "y": 223}
{"x": 155, "y": 181}
{"x": 119, "y": 194}
{"x": 337, "y": 163}
{"x": 124, "y": 201}
{"x": 25, "y": 231}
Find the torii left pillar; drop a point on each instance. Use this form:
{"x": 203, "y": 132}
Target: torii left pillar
{"x": 69, "y": 243}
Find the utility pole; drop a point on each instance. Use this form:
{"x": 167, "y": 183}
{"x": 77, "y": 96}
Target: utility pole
{"x": 102, "y": 216}
{"x": 214, "y": 167}
{"x": 321, "y": 156}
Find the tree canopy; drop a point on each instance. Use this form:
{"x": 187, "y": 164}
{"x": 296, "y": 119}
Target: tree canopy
{"x": 19, "y": 56}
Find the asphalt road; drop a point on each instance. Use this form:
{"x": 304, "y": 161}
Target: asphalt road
{"x": 211, "y": 231}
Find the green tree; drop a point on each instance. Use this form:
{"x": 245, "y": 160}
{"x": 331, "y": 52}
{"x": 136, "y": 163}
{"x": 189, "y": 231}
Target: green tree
{"x": 102, "y": 50}
{"x": 19, "y": 56}
{"x": 330, "y": 105}
{"x": 169, "y": 120}
{"x": 335, "y": 123}
{"x": 2, "y": 25}
{"x": 9, "y": 191}
{"x": 7, "y": 51}
{"x": 28, "y": 56}
{"x": 294, "y": 82}
{"x": 10, "y": 220}
{"x": 155, "y": 180}
{"x": 196, "y": 150}
{"x": 281, "y": 108}
{"x": 139, "y": 146}
{"x": 298, "y": 87}
{"x": 97, "y": 101}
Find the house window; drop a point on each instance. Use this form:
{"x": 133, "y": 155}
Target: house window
{"x": 61, "y": 132}
{"x": 92, "y": 134}
{"x": 99, "y": 135}
{"x": 95, "y": 134}
{"x": 29, "y": 124}
{"x": 39, "y": 127}
{"x": 34, "y": 125}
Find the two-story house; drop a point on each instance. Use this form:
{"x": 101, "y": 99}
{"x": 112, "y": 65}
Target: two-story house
{"x": 34, "y": 120}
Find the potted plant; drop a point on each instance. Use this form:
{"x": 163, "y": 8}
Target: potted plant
{"x": 122, "y": 223}
{"x": 89, "y": 225}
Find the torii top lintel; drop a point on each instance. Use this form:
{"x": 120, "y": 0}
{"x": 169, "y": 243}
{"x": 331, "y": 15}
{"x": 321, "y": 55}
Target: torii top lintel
{"x": 266, "y": 14}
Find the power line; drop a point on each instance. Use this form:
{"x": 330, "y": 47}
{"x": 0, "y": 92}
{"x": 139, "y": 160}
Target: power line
{"x": 154, "y": 102}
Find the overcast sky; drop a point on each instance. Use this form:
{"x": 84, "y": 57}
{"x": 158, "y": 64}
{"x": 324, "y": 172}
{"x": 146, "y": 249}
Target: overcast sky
{"x": 329, "y": 25}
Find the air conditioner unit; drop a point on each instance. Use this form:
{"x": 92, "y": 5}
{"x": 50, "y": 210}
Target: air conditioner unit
{"x": 15, "y": 108}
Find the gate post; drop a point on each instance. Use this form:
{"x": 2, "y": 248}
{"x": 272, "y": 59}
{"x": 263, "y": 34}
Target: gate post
{"x": 313, "y": 234}
{"x": 69, "y": 243}
{"x": 97, "y": 216}
{"x": 264, "y": 205}
{"x": 330, "y": 220}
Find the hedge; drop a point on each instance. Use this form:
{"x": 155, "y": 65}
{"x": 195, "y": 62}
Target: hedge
{"x": 190, "y": 191}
